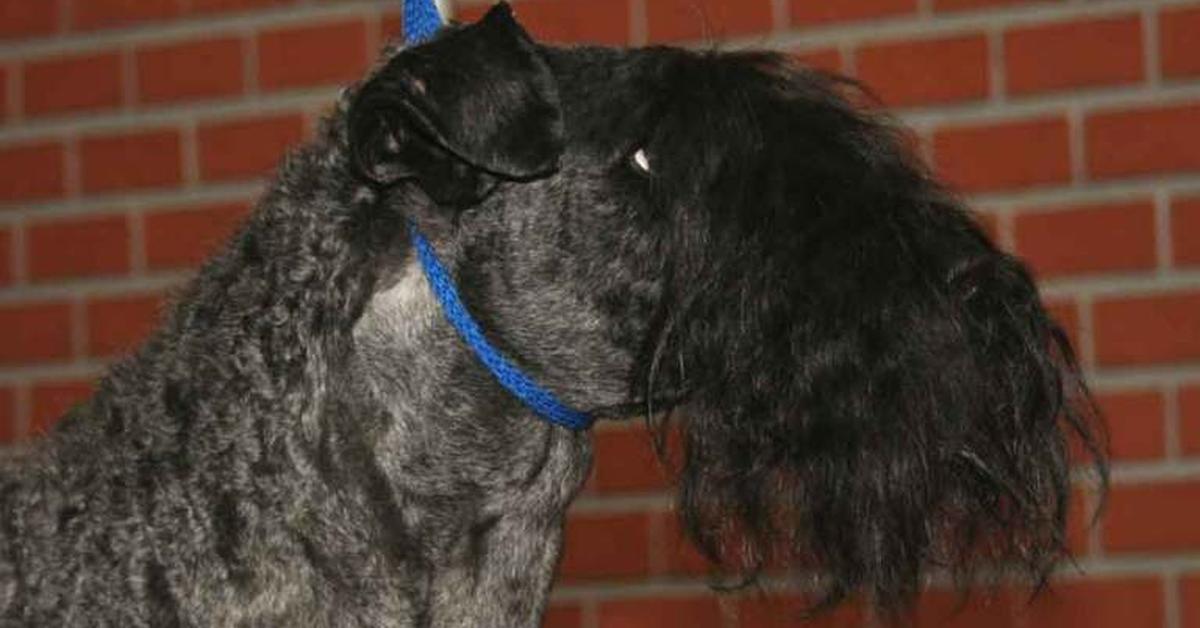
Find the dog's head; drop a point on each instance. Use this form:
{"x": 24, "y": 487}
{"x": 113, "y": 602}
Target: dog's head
{"x": 865, "y": 384}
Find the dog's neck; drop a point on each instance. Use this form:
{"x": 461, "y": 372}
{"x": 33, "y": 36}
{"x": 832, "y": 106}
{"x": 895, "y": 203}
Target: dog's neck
{"x": 478, "y": 481}
{"x": 441, "y": 406}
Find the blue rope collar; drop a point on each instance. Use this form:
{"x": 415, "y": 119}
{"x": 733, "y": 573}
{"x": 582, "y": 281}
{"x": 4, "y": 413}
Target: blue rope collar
{"x": 540, "y": 400}
{"x": 421, "y": 22}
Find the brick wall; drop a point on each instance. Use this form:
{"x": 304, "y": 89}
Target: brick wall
{"x": 134, "y": 133}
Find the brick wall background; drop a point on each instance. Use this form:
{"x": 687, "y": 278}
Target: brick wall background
{"x": 135, "y": 133}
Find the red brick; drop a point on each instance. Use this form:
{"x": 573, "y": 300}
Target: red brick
{"x": 1189, "y": 599}
{"x": 1189, "y": 419}
{"x": 9, "y": 431}
{"x": 214, "y": 6}
{"x": 1185, "y": 232}
{"x": 1144, "y": 141}
{"x": 808, "y": 12}
{"x": 35, "y": 332}
{"x": 310, "y": 55}
{"x": 248, "y": 148}
{"x": 1156, "y": 329}
{"x": 564, "y": 21}
{"x": 182, "y": 238}
{"x": 32, "y": 172}
{"x": 946, "y": 609}
{"x": 51, "y": 400}
{"x": 391, "y": 26}
{"x": 92, "y": 14}
{"x": 1137, "y": 423}
{"x": 698, "y": 612}
{"x": 190, "y": 70}
{"x": 606, "y": 546}
{"x": 26, "y": 18}
{"x": 676, "y": 20}
{"x": 1108, "y": 603}
{"x": 1074, "y": 54}
{"x": 1158, "y": 517}
{"x": 1080, "y": 521}
{"x": 73, "y": 83}
{"x": 681, "y": 556}
{"x": 1004, "y": 155}
{"x": 763, "y": 611}
{"x": 119, "y": 324}
{"x": 827, "y": 59}
{"x": 626, "y": 461}
{"x": 906, "y": 73}
{"x": 564, "y": 616}
{"x": 138, "y": 159}
{"x": 78, "y": 247}
{"x": 1066, "y": 314}
{"x": 1179, "y": 42}
{"x": 1103, "y": 238}
{"x": 6, "y": 257}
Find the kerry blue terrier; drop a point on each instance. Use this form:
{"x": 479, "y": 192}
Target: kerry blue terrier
{"x": 370, "y": 408}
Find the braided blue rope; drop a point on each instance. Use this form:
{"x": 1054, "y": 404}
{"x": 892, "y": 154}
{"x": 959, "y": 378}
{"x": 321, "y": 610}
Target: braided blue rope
{"x": 540, "y": 400}
{"x": 421, "y": 20}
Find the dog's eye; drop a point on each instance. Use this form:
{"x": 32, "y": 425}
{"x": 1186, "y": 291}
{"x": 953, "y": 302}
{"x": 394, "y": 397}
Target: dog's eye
{"x": 641, "y": 161}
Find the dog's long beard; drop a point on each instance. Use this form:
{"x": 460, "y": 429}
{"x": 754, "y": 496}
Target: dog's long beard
{"x": 873, "y": 429}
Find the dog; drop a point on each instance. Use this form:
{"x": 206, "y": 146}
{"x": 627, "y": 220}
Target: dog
{"x": 862, "y": 384}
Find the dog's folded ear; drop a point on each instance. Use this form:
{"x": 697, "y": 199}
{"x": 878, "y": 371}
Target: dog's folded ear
{"x": 474, "y": 106}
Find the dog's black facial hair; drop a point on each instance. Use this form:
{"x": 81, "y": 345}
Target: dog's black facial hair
{"x": 868, "y": 388}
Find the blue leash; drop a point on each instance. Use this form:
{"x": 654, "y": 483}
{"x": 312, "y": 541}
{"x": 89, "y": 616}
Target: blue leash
{"x": 421, "y": 22}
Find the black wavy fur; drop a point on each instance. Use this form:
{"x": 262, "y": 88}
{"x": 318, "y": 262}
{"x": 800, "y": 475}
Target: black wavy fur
{"x": 872, "y": 389}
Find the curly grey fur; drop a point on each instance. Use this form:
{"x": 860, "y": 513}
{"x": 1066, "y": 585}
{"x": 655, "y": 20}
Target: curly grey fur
{"x": 304, "y": 442}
